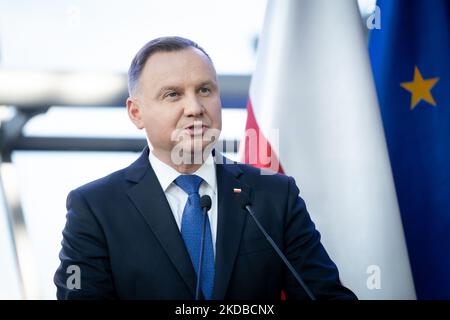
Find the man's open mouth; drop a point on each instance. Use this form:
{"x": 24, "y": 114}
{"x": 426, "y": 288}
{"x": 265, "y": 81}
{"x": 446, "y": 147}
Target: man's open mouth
{"x": 196, "y": 129}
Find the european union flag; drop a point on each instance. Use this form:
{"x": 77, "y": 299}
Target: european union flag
{"x": 410, "y": 57}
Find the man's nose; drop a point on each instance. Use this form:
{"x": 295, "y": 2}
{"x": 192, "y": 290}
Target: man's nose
{"x": 193, "y": 106}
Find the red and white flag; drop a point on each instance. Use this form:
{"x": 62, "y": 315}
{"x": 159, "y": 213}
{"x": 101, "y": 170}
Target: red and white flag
{"x": 312, "y": 99}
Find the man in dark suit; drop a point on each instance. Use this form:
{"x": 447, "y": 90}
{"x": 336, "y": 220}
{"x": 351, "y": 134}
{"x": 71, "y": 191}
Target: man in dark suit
{"x": 136, "y": 233}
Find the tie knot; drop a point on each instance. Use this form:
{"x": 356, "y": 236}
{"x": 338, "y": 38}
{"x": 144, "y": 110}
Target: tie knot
{"x": 190, "y": 183}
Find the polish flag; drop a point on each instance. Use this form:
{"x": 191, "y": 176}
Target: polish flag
{"x": 314, "y": 113}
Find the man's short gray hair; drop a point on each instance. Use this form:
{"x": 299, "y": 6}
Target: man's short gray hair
{"x": 163, "y": 44}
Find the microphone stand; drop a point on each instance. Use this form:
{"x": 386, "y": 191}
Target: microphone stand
{"x": 202, "y": 245}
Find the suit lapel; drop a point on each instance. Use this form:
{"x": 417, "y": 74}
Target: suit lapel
{"x": 150, "y": 200}
{"x": 230, "y": 225}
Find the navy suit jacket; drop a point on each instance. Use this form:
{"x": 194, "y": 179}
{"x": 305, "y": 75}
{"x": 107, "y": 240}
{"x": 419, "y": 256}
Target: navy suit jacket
{"x": 121, "y": 234}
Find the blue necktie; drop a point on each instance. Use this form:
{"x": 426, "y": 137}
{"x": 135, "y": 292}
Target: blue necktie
{"x": 191, "y": 231}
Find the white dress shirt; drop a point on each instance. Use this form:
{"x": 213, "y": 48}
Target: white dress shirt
{"x": 177, "y": 198}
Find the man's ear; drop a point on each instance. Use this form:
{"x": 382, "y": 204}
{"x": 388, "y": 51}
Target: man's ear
{"x": 134, "y": 112}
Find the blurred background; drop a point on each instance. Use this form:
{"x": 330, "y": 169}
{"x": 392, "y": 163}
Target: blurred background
{"x": 63, "y": 120}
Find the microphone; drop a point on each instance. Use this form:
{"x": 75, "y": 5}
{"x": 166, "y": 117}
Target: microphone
{"x": 244, "y": 201}
{"x": 205, "y": 204}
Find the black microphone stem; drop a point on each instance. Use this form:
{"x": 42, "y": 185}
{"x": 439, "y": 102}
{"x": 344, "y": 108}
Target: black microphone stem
{"x": 202, "y": 245}
{"x": 281, "y": 255}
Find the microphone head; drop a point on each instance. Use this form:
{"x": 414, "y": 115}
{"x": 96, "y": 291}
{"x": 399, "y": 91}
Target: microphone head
{"x": 205, "y": 202}
{"x": 243, "y": 198}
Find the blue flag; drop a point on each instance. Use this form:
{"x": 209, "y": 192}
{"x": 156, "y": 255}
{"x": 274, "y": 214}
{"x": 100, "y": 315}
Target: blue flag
{"x": 410, "y": 58}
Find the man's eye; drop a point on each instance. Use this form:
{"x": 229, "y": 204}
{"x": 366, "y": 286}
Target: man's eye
{"x": 205, "y": 90}
{"x": 172, "y": 94}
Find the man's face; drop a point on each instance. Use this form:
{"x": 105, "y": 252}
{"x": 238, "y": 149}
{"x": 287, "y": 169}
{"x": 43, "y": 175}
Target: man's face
{"x": 175, "y": 90}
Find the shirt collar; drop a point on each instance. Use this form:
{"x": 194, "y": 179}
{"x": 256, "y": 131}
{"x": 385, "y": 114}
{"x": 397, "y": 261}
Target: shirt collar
{"x": 166, "y": 174}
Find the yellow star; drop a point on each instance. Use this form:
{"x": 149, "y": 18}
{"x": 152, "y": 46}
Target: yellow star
{"x": 420, "y": 88}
